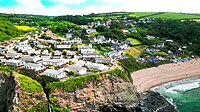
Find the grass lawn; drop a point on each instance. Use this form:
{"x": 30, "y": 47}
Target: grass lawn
{"x": 25, "y": 28}
{"x": 135, "y": 41}
{"x": 169, "y": 15}
{"x": 160, "y": 53}
{"x": 135, "y": 51}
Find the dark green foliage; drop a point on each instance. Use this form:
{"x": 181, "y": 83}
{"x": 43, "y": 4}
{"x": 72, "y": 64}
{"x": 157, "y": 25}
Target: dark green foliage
{"x": 59, "y": 27}
{"x": 7, "y": 30}
{"x": 130, "y": 64}
{"x": 80, "y": 20}
{"x": 102, "y": 47}
{"x": 186, "y": 33}
{"x": 25, "y": 19}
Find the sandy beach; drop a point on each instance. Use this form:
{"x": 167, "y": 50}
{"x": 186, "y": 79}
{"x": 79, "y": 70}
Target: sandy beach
{"x": 145, "y": 79}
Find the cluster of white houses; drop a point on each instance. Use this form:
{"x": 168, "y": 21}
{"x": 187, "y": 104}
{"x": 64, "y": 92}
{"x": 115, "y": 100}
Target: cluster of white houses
{"x": 18, "y": 56}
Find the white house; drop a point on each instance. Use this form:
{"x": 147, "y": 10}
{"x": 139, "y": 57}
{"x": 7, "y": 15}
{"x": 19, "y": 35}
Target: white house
{"x": 52, "y": 42}
{"x": 91, "y": 30}
{"x": 35, "y": 67}
{"x": 3, "y": 50}
{"x": 96, "y": 66}
{"x": 79, "y": 70}
{"x": 57, "y": 55}
{"x": 15, "y": 63}
{"x": 69, "y": 35}
{"x": 150, "y": 37}
{"x": 13, "y": 55}
{"x": 83, "y": 51}
{"x": 45, "y": 54}
{"x": 33, "y": 59}
{"x": 103, "y": 60}
{"x": 169, "y": 40}
{"x": 83, "y": 47}
{"x": 123, "y": 46}
{"x": 2, "y": 60}
{"x": 53, "y": 62}
{"x": 63, "y": 46}
{"x": 55, "y": 73}
{"x": 76, "y": 40}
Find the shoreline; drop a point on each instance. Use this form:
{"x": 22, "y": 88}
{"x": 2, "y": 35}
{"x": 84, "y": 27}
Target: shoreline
{"x": 148, "y": 78}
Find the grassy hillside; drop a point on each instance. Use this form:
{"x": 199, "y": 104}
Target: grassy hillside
{"x": 7, "y": 30}
{"x": 141, "y": 14}
{"x": 162, "y": 15}
{"x": 170, "y": 15}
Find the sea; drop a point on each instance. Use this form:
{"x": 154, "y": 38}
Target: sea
{"x": 183, "y": 94}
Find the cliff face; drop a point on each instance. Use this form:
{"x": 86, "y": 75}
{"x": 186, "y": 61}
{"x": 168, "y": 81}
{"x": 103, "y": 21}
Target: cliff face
{"x": 7, "y": 91}
{"x": 109, "y": 94}
{"x": 15, "y": 96}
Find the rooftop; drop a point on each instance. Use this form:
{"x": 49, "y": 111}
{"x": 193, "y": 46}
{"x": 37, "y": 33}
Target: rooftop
{"x": 52, "y": 71}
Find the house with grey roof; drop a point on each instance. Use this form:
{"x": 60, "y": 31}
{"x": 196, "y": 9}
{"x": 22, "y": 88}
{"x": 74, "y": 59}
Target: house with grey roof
{"x": 63, "y": 46}
{"x": 53, "y": 62}
{"x": 54, "y": 73}
{"x": 57, "y": 55}
{"x": 90, "y": 55}
{"x": 2, "y": 60}
{"x": 83, "y": 47}
{"x": 79, "y": 70}
{"x": 90, "y": 30}
{"x": 13, "y": 55}
{"x": 103, "y": 60}
{"x": 97, "y": 66}
{"x": 15, "y": 63}
{"x": 35, "y": 67}
{"x": 45, "y": 54}
{"x": 32, "y": 59}
{"x": 3, "y": 50}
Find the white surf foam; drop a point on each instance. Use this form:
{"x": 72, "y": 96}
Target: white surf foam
{"x": 177, "y": 86}
{"x": 183, "y": 87}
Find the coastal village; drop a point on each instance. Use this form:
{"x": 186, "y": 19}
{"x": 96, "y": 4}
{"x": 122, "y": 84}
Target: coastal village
{"x": 100, "y": 62}
{"x": 46, "y": 53}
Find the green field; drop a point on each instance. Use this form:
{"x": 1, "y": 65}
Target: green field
{"x": 135, "y": 51}
{"x": 135, "y": 41}
{"x": 162, "y": 15}
{"x": 169, "y": 15}
{"x": 141, "y": 14}
{"x": 25, "y": 28}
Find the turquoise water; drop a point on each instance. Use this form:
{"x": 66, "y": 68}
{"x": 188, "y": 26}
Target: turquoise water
{"x": 186, "y": 101}
{"x": 184, "y": 94}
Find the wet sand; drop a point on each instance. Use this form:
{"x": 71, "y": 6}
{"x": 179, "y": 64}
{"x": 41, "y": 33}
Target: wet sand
{"x": 145, "y": 79}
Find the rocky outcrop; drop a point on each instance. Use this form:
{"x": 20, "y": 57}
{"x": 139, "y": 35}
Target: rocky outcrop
{"x": 110, "y": 94}
{"x": 7, "y": 91}
{"x": 14, "y": 97}
{"x": 154, "y": 102}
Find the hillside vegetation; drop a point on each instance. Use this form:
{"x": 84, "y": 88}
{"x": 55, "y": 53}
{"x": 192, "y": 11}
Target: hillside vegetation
{"x": 7, "y": 30}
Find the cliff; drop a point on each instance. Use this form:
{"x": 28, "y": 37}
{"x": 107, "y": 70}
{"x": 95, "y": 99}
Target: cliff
{"x": 107, "y": 92}
{"x": 19, "y": 92}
